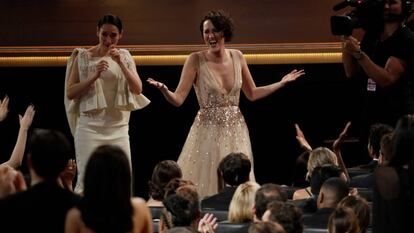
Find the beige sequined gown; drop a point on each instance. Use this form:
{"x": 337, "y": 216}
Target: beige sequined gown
{"x": 218, "y": 129}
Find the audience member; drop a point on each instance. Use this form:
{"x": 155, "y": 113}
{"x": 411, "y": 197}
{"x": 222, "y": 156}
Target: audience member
{"x": 242, "y": 203}
{"x": 331, "y": 193}
{"x": 17, "y": 155}
{"x": 106, "y": 205}
{"x": 393, "y": 192}
{"x": 42, "y": 207}
{"x": 343, "y": 220}
{"x": 264, "y": 195}
{"x": 287, "y": 215}
{"x": 234, "y": 169}
{"x": 163, "y": 173}
{"x": 361, "y": 209}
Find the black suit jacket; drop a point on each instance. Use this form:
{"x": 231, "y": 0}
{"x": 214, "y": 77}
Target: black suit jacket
{"x": 319, "y": 219}
{"x": 220, "y": 201}
{"x": 42, "y": 208}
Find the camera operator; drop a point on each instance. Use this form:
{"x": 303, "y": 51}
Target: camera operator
{"x": 386, "y": 57}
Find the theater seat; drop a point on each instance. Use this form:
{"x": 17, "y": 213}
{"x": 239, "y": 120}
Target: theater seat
{"x": 221, "y": 215}
{"x": 156, "y": 211}
{"x": 232, "y": 228}
{"x": 314, "y": 230}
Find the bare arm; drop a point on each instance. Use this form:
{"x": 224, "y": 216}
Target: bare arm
{"x": 16, "y": 157}
{"x": 383, "y": 76}
{"x": 73, "y": 221}
{"x": 188, "y": 75}
{"x": 302, "y": 140}
{"x": 337, "y": 149}
{"x": 77, "y": 88}
{"x": 253, "y": 92}
{"x": 130, "y": 73}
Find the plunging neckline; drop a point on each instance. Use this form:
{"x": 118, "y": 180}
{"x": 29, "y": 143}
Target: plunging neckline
{"x": 212, "y": 74}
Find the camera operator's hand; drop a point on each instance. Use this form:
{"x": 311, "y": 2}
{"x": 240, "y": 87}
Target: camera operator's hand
{"x": 351, "y": 45}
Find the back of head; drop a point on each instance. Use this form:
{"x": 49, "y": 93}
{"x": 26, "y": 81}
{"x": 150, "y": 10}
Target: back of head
{"x": 107, "y": 190}
{"x": 183, "y": 209}
{"x": 163, "y": 173}
{"x": 321, "y": 174}
{"x": 240, "y": 209}
{"x": 319, "y": 157}
{"x": 172, "y": 186}
{"x": 267, "y": 193}
{"x": 266, "y": 227}
{"x": 235, "y": 168}
{"x": 387, "y": 147}
{"x": 287, "y": 215}
{"x": 376, "y": 132}
{"x": 343, "y": 220}
{"x": 403, "y": 146}
{"x": 361, "y": 209}
{"x": 333, "y": 191}
{"x": 49, "y": 151}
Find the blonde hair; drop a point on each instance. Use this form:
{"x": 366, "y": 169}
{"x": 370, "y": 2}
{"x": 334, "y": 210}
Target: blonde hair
{"x": 241, "y": 205}
{"x": 319, "y": 157}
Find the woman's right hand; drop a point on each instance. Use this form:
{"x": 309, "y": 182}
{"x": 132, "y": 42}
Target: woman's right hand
{"x": 4, "y": 108}
{"x": 100, "y": 67}
{"x": 301, "y": 139}
{"x": 27, "y": 118}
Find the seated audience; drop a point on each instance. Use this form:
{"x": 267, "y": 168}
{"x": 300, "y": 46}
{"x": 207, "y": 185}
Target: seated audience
{"x": 233, "y": 170}
{"x": 264, "y": 195}
{"x": 163, "y": 173}
{"x": 241, "y": 205}
{"x": 343, "y": 220}
{"x": 361, "y": 209}
{"x": 107, "y": 204}
{"x": 287, "y": 215}
{"x": 332, "y": 192}
{"x": 43, "y": 206}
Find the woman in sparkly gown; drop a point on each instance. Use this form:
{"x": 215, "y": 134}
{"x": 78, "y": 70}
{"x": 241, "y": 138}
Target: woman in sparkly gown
{"x": 217, "y": 74}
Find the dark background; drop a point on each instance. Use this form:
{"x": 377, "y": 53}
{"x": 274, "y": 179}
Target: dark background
{"x": 321, "y": 102}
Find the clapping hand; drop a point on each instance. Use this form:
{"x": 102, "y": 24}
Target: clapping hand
{"x": 293, "y": 75}
{"x": 301, "y": 139}
{"x": 157, "y": 84}
{"x": 207, "y": 224}
{"x": 114, "y": 54}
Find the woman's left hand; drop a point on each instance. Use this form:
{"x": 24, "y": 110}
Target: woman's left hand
{"x": 114, "y": 54}
{"x": 293, "y": 75}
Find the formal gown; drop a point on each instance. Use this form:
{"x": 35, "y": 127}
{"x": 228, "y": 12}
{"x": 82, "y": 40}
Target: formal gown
{"x": 219, "y": 128}
{"x": 102, "y": 115}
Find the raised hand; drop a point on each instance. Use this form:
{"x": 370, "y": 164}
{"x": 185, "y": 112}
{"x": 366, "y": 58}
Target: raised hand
{"x": 293, "y": 75}
{"x": 207, "y": 224}
{"x": 4, "y": 108}
{"x": 67, "y": 175}
{"x": 338, "y": 142}
{"x": 301, "y": 139}
{"x": 100, "y": 67}
{"x": 27, "y": 118}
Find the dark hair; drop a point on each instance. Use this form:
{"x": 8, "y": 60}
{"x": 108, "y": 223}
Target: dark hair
{"x": 343, "y": 220}
{"x": 221, "y": 21}
{"x": 111, "y": 19}
{"x": 403, "y": 146}
{"x": 163, "y": 173}
{"x": 321, "y": 174}
{"x": 267, "y": 193}
{"x": 174, "y": 184}
{"x": 235, "y": 168}
{"x": 337, "y": 186}
{"x": 184, "y": 208}
{"x": 266, "y": 227}
{"x": 376, "y": 132}
{"x": 387, "y": 146}
{"x": 287, "y": 215}
{"x": 49, "y": 151}
{"x": 106, "y": 204}
{"x": 361, "y": 209}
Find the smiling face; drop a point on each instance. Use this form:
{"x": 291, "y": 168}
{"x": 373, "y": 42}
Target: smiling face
{"x": 212, "y": 38}
{"x": 108, "y": 35}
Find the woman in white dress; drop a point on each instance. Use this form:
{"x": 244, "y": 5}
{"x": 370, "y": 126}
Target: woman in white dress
{"x": 102, "y": 87}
